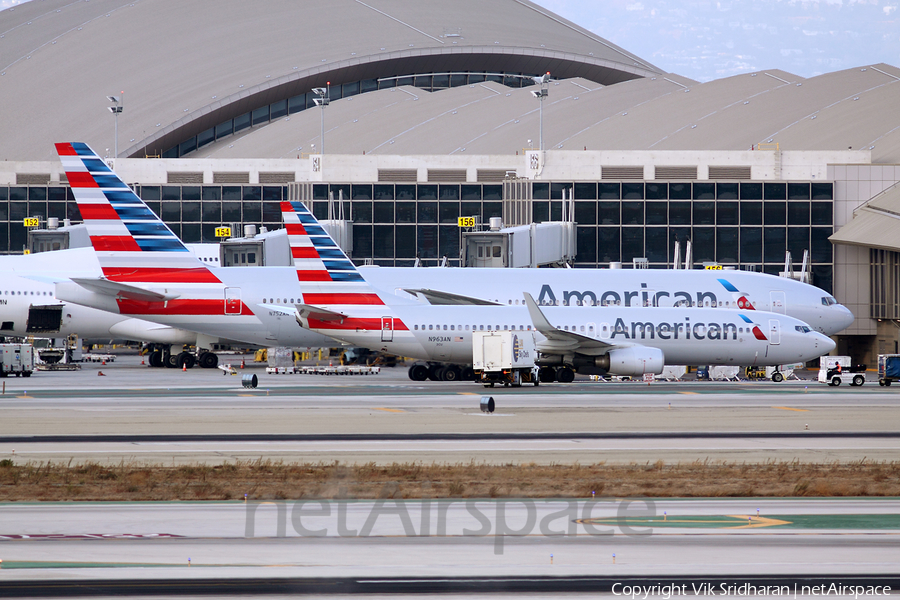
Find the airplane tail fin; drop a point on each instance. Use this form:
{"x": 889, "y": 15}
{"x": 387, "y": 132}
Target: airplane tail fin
{"x": 327, "y": 275}
{"x": 132, "y": 244}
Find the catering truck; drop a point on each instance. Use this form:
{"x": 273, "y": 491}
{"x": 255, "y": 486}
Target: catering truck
{"x": 505, "y": 357}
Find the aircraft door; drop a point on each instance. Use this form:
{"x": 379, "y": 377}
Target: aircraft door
{"x": 387, "y": 329}
{"x": 778, "y": 301}
{"x": 774, "y": 331}
{"x": 232, "y": 301}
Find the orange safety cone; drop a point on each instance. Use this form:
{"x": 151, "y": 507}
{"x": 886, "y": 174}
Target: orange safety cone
{"x": 142, "y": 360}
{"x": 103, "y": 362}
{"x": 184, "y": 366}
{"x": 100, "y": 374}
{"x": 242, "y": 363}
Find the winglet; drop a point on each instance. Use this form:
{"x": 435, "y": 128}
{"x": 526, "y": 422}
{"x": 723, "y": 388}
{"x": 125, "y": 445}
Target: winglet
{"x": 537, "y": 317}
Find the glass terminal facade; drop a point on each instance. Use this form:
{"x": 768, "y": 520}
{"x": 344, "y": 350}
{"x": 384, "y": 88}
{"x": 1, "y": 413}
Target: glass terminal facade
{"x": 430, "y": 82}
{"x": 747, "y": 224}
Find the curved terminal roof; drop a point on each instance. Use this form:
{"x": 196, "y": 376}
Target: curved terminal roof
{"x": 187, "y": 66}
{"x": 836, "y": 111}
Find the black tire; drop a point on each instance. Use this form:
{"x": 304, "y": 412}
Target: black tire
{"x": 434, "y": 372}
{"x": 836, "y": 381}
{"x": 881, "y": 382}
{"x": 186, "y": 359}
{"x": 418, "y": 372}
{"x": 26, "y": 373}
{"x": 171, "y": 361}
{"x": 565, "y": 375}
{"x": 777, "y": 377}
{"x": 887, "y": 382}
{"x": 208, "y": 360}
{"x": 156, "y": 359}
{"x": 450, "y": 373}
{"x": 547, "y": 374}
{"x": 467, "y": 374}
{"x": 858, "y": 380}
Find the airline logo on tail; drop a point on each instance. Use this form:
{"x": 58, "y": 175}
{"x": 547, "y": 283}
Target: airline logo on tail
{"x": 757, "y": 332}
{"x": 132, "y": 243}
{"x": 327, "y": 276}
{"x": 742, "y": 301}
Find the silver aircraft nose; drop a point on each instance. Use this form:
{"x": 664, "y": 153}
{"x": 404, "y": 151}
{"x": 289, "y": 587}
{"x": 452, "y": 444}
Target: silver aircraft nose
{"x": 843, "y": 318}
{"x": 824, "y": 344}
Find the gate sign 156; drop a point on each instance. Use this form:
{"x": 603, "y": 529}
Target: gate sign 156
{"x": 466, "y": 221}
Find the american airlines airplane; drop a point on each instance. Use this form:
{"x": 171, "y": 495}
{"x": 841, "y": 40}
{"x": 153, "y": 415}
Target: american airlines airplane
{"x": 29, "y": 307}
{"x": 148, "y": 273}
{"x": 604, "y": 338}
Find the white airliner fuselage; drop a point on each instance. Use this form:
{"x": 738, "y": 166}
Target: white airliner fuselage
{"x": 685, "y": 336}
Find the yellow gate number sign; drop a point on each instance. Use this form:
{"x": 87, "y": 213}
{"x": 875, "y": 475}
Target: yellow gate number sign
{"x": 466, "y": 221}
{"x": 32, "y": 222}
{"x": 223, "y": 231}
{"x": 714, "y": 268}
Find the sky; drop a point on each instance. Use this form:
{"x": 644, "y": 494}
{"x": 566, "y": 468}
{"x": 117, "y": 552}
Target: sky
{"x": 712, "y": 39}
{"x": 709, "y": 39}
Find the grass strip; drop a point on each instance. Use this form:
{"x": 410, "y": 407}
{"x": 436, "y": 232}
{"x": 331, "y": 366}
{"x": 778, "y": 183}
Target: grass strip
{"x": 277, "y": 480}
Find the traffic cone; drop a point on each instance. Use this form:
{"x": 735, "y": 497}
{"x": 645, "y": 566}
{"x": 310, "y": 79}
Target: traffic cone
{"x": 100, "y": 374}
{"x": 142, "y": 361}
{"x": 184, "y": 367}
{"x": 242, "y": 363}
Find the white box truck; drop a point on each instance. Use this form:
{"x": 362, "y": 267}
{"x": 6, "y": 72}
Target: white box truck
{"x": 505, "y": 357}
{"x": 16, "y": 359}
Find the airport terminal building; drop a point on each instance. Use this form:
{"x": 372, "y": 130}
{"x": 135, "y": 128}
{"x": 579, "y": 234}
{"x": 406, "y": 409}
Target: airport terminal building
{"x": 436, "y": 113}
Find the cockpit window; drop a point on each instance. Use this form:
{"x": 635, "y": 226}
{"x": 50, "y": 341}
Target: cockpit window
{"x": 802, "y": 328}
{"x": 828, "y": 301}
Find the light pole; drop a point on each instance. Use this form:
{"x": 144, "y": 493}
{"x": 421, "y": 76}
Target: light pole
{"x": 115, "y": 109}
{"x": 324, "y": 98}
{"x": 544, "y": 82}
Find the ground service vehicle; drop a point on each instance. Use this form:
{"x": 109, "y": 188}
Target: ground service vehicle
{"x": 835, "y": 370}
{"x": 505, "y": 357}
{"x": 16, "y": 359}
{"x": 888, "y": 368}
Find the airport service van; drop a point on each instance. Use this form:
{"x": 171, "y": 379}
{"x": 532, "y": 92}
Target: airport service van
{"x": 505, "y": 357}
{"x": 16, "y": 359}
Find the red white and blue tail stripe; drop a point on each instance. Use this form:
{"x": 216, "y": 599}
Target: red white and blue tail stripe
{"x": 327, "y": 276}
{"x": 131, "y": 242}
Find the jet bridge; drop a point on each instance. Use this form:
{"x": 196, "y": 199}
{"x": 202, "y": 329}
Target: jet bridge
{"x": 535, "y": 245}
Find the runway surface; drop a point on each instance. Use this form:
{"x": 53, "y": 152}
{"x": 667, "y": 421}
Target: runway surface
{"x": 608, "y": 540}
{"x": 136, "y": 413}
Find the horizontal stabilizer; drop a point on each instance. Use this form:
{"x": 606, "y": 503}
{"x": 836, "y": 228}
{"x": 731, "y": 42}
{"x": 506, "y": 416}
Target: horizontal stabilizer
{"x": 305, "y": 311}
{"x": 437, "y": 297}
{"x": 122, "y": 290}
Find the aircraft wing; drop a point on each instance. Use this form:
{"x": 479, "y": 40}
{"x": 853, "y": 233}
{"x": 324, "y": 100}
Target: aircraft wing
{"x": 559, "y": 340}
{"x": 437, "y": 297}
{"x": 115, "y": 288}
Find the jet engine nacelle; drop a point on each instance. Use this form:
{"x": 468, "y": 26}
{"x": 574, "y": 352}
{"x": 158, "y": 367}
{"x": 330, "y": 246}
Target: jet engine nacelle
{"x": 632, "y": 361}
